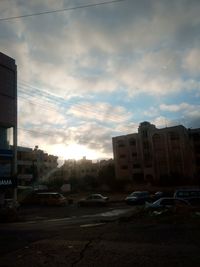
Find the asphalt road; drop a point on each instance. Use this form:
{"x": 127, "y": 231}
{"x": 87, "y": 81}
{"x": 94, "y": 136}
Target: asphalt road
{"x": 100, "y": 237}
{"x": 36, "y": 222}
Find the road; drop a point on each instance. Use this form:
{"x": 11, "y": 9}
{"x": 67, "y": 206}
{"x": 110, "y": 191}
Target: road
{"x": 38, "y": 222}
{"x": 99, "y": 237}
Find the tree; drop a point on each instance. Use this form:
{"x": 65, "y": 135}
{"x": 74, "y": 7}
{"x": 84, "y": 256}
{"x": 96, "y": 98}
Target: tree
{"x": 107, "y": 176}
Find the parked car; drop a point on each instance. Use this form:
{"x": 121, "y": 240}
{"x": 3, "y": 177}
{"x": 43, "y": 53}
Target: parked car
{"x": 10, "y": 203}
{"x": 94, "y": 200}
{"x": 191, "y": 195}
{"x": 45, "y": 198}
{"x": 157, "y": 195}
{"x": 166, "y": 203}
{"x": 137, "y": 197}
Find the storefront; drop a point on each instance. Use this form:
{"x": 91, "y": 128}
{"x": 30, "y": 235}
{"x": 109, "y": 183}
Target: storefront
{"x": 8, "y": 182}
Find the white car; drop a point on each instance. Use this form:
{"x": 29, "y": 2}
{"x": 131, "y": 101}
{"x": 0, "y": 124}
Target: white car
{"x": 94, "y": 200}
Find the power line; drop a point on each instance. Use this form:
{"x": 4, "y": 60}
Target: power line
{"x": 38, "y": 93}
{"x": 36, "y": 132}
{"x": 57, "y": 134}
{"x": 61, "y": 10}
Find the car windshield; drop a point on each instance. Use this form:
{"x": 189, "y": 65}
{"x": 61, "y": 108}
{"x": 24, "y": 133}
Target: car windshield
{"x": 136, "y": 194}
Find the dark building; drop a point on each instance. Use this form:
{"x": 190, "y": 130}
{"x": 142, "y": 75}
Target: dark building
{"x": 169, "y": 155}
{"x": 8, "y": 125}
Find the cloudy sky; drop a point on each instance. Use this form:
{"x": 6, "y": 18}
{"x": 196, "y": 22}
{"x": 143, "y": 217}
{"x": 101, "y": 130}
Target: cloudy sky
{"x": 88, "y": 74}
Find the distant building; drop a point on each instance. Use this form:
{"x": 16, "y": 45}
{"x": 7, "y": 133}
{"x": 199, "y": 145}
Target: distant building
{"x": 194, "y": 135}
{"x": 8, "y": 126}
{"x": 168, "y": 155}
{"x": 80, "y": 168}
{"x": 34, "y": 165}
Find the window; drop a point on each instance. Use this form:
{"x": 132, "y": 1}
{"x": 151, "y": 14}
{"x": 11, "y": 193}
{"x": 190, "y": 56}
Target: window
{"x": 196, "y": 137}
{"x": 144, "y": 133}
{"x": 121, "y": 143}
{"x": 132, "y": 142}
{"x": 197, "y": 149}
{"x": 136, "y": 166}
{"x": 157, "y": 142}
{"x": 147, "y": 156}
{"x": 174, "y": 136}
{"x": 183, "y": 194}
{"x": 124, "y": 167}
{"x": 122, "y": 156}
{"x": 146, "y": 145}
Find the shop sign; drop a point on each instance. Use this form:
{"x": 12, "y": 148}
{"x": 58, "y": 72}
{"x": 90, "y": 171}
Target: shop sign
{"x": 8, "y": 182}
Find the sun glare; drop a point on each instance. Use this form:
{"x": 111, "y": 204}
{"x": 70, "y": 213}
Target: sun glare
{"x": 74, "y": 151}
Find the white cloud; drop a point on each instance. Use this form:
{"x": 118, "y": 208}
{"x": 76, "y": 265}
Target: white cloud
{"x": 162, "y": 121}
{"x": 191, "y": 61}
{"x": 31, "y": 113}
{"x": 151, "y": 112}
{"x": 182, "y": 107}
{"x": 103, "y": 112}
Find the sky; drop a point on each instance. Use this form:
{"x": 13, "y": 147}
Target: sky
{"x": 87, "y": 74}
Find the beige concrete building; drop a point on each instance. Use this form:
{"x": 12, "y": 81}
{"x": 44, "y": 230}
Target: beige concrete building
{"x": 80, "y": 168}
{"x": 158, "y": 156}
{"x": 34, "y": 165}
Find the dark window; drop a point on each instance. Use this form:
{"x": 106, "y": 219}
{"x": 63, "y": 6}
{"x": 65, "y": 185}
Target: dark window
{"x": 183, "y": 194}
{"x": 196, "y": 137}
{"x": 147, "y": 156}
{"x": 122, "y": 156}
{"x": 197, "y": 149}
{"x": 174, "y": 136}
{"x": 146, "y": 145}
{"x": 144, "y": 133}
{"x": 136, "y": 166}
{"x": 124, "y": 167}
{"x": 121, "y": 143}
{"x": 132, "y": 142}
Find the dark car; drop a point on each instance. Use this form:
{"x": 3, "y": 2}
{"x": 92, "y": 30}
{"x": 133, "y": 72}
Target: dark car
{"x": 166, "y": 203}
{"x": 11, "y": 203}
{"x": 192, "y": 195}
{"x": 94, "y": 200}
{"x": 137, "y": 197}
{"x": 45, "y": 198}
{"x": 157, "y": 195}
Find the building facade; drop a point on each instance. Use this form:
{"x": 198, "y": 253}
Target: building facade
{"x": 158, "y": 156}
{"x": 34, "y": 165}
{"x": 80, "y": 168}
{"x": 8, "y": 126}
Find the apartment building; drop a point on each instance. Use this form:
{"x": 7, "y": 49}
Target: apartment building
{"x": 80, "y": 168}
{"x": 34, "y": 165}
{"x": 194, "y": 135}
{"x": 157, "y": 156}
